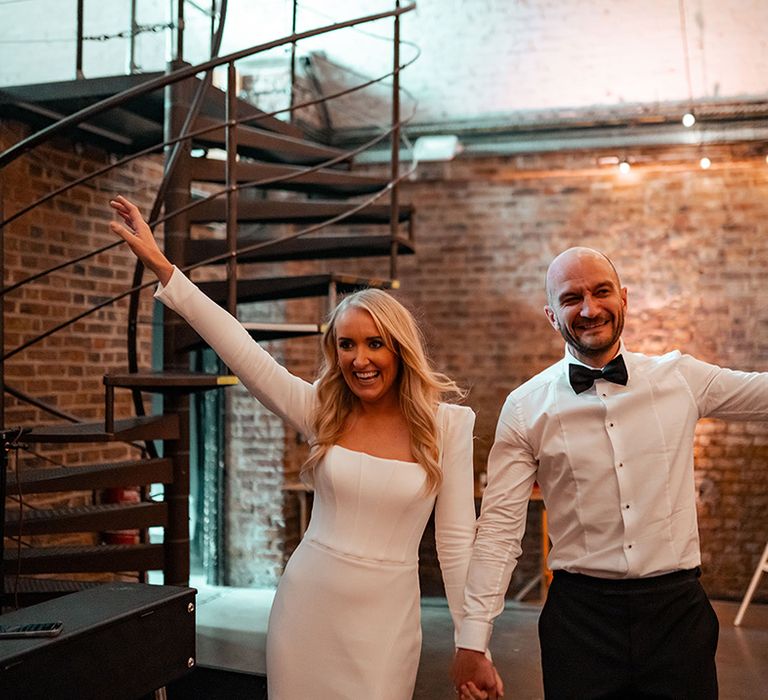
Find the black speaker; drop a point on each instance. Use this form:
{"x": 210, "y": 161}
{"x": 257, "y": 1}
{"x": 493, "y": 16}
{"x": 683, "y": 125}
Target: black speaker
{"x": 118, "y": 641}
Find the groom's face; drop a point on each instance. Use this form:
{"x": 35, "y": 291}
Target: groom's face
{"x": 587, "y": 306}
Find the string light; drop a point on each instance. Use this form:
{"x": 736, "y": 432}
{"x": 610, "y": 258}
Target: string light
{"x": 704, "y": 163}
{"x": 624, "y": 167}
{"x": 688, "y": 119}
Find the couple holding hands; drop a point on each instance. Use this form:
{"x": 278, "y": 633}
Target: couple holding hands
{"x": 608, "y": 435}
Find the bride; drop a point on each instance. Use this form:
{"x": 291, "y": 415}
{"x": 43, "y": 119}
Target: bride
{"x": 385, "y": 449}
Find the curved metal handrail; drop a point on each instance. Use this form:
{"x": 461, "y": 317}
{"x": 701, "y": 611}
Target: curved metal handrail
{"x": 172, "y": 77}
{"x": 188, "y": 136}
{"x": 256, "y": 183}
{"x": 208, "y": 261}
{"x": 22, "y": 396}
{"x": 15, "y": 151}
{"x": 171, "y": 163}
{"x": 177, "y": 564}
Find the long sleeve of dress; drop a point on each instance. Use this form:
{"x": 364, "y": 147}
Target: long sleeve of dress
{"x": 500, "y": 528}
{"x": 455, "y": 505}
{"x": 283, "y": 393}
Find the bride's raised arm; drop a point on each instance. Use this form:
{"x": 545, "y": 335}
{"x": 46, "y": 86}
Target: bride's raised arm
{"x": 140, "y": 239}
{"x": 281, "y": 392}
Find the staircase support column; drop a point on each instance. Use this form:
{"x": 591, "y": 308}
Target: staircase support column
{"x": 176, "y": 541}
{"x": 4, "y": 455}
{"x": 79, "y": 42}
{"x": 2, "y": 310}
{"x": 394, "y": 216}
{"x": 232, "y": 191}
{"x": 179, "y": 31}
{"x": 177, "y": 102}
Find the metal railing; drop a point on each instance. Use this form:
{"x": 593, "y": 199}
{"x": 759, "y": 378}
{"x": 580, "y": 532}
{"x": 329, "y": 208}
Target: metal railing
{"x": 178, "y": 136}
{"x": 186, "y": 134}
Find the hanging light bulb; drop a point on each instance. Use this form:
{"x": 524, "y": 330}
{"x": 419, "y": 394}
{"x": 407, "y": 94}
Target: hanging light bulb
{"x": 688, "y": 120}
{"x": 624, "y": 167}
{"x": 704, "y": 163}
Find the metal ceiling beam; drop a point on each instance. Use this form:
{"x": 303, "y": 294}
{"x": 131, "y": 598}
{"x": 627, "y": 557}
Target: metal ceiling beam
{"x": 590, "y": 129}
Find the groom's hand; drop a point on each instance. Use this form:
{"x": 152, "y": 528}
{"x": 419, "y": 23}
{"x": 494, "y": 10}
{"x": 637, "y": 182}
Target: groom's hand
{"x": 473, "y": 667}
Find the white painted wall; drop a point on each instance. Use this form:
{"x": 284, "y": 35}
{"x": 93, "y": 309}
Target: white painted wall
{"x": 480, "y": 58}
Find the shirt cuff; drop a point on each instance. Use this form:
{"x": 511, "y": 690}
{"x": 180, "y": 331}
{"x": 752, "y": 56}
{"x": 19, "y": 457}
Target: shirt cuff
{"x": 474, "y": 634}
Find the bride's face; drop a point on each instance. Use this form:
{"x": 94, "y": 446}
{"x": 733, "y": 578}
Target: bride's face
{"x": 369, "y": 367}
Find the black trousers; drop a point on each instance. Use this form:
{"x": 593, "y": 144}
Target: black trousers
{"x": 622, "y": 639}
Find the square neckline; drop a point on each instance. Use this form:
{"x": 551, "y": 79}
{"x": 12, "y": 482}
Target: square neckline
{"x": 368, "y": 454}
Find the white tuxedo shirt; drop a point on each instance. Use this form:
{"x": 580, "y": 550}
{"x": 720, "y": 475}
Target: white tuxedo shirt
{"x": 615, "y": 467}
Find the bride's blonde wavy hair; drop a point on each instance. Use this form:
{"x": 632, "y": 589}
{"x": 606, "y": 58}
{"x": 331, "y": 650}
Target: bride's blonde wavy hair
{"x": 420, "y": 388}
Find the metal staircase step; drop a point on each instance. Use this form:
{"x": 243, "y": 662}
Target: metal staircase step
{"x": 274, "y": 331}
{"x": 99, "y": 476}
{"x": 291, "y": 177}
{"x": 132, "y": 127}
{"x": 30, "y": 591}
{"x": 85, "y": 558}
{"x": 92, "y": 518}
{"x": 24, "y": 584}
{"x": 169, "y": 382}
{"x": 307, "y": 248}
{"x": 266, "y": 145}
{"x": 214, "y": 106}
{"x": 274, "y": 288}
{"x": 270, "y": 289}
{"x": 128, "y": 429}
{"x": 187, "y": 339}
{"x": 289, "y": 212}
{"x": 159, "y": 383}
{"x": 71, "y": 95}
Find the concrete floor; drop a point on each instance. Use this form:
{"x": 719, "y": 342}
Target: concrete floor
{"x": 231, "y": 624}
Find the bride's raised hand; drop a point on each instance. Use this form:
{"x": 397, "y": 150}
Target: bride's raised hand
{"x": 137, "y": 234}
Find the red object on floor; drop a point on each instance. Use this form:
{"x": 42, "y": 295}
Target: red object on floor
{"x": 120, "y": 495}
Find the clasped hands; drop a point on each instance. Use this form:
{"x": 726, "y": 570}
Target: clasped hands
{"x": 475, "y": 677}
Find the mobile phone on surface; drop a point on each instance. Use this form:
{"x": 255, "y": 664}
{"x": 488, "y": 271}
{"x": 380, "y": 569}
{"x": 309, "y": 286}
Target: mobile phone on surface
{"x": 30, "y": 629}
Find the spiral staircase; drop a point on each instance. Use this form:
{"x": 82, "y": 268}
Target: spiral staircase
{"x": 272, "y": 178}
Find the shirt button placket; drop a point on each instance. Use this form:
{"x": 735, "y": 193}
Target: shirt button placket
{"x": 627, "y": 515}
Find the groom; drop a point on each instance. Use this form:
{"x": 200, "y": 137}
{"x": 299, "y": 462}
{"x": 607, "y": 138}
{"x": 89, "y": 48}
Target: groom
{"x": 608, "y": 435}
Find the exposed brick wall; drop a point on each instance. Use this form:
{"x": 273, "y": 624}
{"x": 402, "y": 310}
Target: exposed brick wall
{"x": 690, "y": 245}
{"x": 263, "y": 453}
{"x": 255, "y": 521}
{"x": 66, "y": 369}
{"x": 262, "y": 518}
{"x": 304, "y": 356}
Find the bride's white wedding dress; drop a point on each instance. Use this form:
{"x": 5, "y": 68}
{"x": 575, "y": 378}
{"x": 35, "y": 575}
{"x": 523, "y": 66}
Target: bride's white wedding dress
{"x": 345, "y": 623}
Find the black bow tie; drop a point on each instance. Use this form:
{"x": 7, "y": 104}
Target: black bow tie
{"x": 582, "y": 377}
